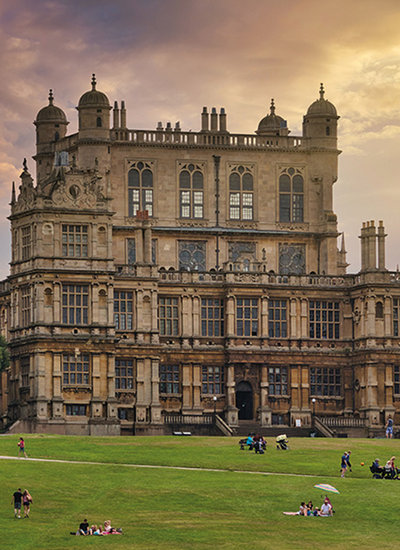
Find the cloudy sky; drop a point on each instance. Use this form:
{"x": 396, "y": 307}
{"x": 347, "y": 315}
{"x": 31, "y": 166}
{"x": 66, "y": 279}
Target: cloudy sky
{"x": 168, "y": 58}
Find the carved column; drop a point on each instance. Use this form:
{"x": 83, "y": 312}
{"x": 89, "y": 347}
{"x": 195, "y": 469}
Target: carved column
{"x": 154, "y": 317}
{"x": 187, "y": 403}
{"x": 264, "y": 316}
{"x": 230, "y": 316}
{"x": 155, "y": 393}
{"x": 293, "y": 319}
{"x": 233, "y": 413}
{"x": 39, "y": 385}
{"x": 141, "y": 409}
{"x": 265, "y": 409}
{"x": 111, "y": 399}
{"x": 197, "y": 372}
{"x": 304, "y": 318}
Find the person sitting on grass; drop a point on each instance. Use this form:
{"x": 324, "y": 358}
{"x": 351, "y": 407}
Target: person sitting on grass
{"x": 310, "y": 508}
{"x": 108, "y": 530}
{"x": 390, "y": 468}
{"x": 94, "y": 530}
{"x": 83, "y": 528}
{"x": 249, "y": 442}
{"x": 326, "y": 509}
{"x": 302, "y": 510}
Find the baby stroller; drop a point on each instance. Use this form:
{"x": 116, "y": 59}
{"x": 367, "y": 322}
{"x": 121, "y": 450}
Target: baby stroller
{"x": 282, "y": 442}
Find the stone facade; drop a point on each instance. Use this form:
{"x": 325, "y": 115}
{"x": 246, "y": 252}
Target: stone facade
{"x": 162, "y": 271}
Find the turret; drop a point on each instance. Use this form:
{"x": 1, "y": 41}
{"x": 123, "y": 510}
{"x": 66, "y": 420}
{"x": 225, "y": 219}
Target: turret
{"x": 272, "y": 124}
{"x": 320, "y": 122}
{"x": 94, "y": 114}
{"x": 51, "y": 125}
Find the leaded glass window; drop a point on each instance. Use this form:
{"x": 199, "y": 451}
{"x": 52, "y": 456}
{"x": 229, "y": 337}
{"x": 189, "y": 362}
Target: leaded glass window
{"x": 324, "y": 319}
{"x": 75, "y": 241}
{"x": 170, "y": 379}
{"x": 291, "y": 196}
{"x": 277, "y": 380}
{"x": 241, "y": 194}
{"x": 76, "y": 369}
{"x": 325, "y": 382}
{"x": 131, "y": 250}
{"x": 140, "y": 188}
{"x": 75, "y": 304}
{"x": 123, "y": 374}
{"x": 247, "y": 316}
{"x": 168, "y": 316}
{"x": 396, "y": 316}
{"x": 192, "y": 255}
{"x": 292, "y": 259}
{"x": 212, "y": 317}
{"x": 123, "y": 310}
{"x": 277, "y": 318}
{"x": 191, "y": 195}
{"x": 212, "y": 380}
{"x": 396, "y": 379}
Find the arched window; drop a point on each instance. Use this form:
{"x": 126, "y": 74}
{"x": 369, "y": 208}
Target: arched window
{"x": 191, "y": 196}
{"x": 56, "y": 136}
{"x": 328, "y": 131}
{"x": 379, "y": 310}
{"x": 291, "y": 196}
{"x": 140, "y": 189}
{"x": 99, "y": 122}
{"x": 241, "y": 194}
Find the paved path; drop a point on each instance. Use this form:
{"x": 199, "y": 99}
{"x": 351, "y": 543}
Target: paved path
{"x": 51, "y": 460}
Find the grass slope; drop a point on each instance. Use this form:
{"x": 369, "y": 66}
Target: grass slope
{"x": 180, "y": 509}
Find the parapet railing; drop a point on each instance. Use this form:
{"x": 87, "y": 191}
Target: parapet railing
{"x": 204, "y": 139}
{"x": 178, "y": 419}
{"x": 342, "y": 421}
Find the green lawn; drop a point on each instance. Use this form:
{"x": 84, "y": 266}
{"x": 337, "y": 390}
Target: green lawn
{"x": 182, "y": 509}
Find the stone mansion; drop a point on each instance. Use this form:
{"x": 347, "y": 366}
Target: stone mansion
{"x": 161, "y": 276}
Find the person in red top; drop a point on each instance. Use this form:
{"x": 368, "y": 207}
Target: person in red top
{"x": 21, "y": 445}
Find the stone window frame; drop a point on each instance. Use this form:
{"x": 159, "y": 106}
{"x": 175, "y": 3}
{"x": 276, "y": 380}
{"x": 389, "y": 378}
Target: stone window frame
{"x": 169, "y": 315}
{"x": 324, "y": 319}
{"x": 247, "y": 322}
{"x": 76, "y": 313}
{"x": 278, "y": 377}
{"x": 170, "y": 379}
{"x": 236, "y": 198}
{"x": 396, "y": 380}
{"x": 145, "y": 196}
{"x": 212, "y": 325}
{"x": 213, "y": 380}
{"x": 124, "y": 374}
{"x": 299, "y": 169}
{"x": 26, "y": 303}
{"x": 26, "y": 242}
{"x": 326, "y": 382}
{"x": 123, "y": 309}
{"x": 187, "y": 244}
{"x": 191, "y": 197}
{"x": 75, "y": 409}
{"x": 278, "y": 318}
{"x": 396, "y": 316}
{"x": 75, "y": 239}
{"x": 76, "y": 371}
{"x": 25, "y": 366}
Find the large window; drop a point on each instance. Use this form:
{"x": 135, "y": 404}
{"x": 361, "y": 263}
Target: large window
{"x": 25, "y": 306}
{"x": 324, "y": 319}
{"x": 123, "y": 310}
{"x": 75, "y": 304}
{"x": 123, "y": 374}
{"x": 170, "y": 379}
{"x": 168, "y": 315}
{"x": 291, "y": 196}
{"x": 75, "y": 410}
{"x": 325, "y": 382}
{"x": 212, "y": 317}
{"x": 25, "y": 367}
{"x": 192, "y": 255}
{"x": 241, "y": 194}
{"x": 277, "y": 381}
{"x": 396, "y": 316}
{"x": 191, "y": 192}
{"x": 26, "y": 242}
{"x": 396, "y": 378}
{"x": 140, "y": 188}
{"x": 75, "y": 241}
{"x": 247, "y": 316}
{"x": 277, "y": 318}
{"x": 212, "y": 380}
{"x": 76, "y": 369}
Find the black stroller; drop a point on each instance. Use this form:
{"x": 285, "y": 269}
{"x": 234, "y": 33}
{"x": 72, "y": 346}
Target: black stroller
{"x": 282, "y": 442}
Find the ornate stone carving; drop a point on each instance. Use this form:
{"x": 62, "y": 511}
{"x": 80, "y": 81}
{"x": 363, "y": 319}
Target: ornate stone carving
{"x": 292, "y": 259}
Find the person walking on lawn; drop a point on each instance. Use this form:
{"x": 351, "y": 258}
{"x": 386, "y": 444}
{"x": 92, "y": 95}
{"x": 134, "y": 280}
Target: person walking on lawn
{"x": 21, "y": 445}
{"x": 17, "y": 500}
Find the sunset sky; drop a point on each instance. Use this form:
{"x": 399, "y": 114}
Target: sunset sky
{"x": 168, "y": 58}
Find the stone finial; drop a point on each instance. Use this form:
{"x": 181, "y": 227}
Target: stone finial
{"x": 51, "y": 97}
{"x": 321, "y": 91}
{"x": 24, "y": 165}
{"x": 272, "y": 107}
{"x": 93, "y": 81}
{"x": 13, "y": 193}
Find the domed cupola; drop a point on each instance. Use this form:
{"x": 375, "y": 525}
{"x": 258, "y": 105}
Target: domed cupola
{"x": 272, "y": 124}
{"x": 322, "y": 106}
{"x": 51, "y": 113}
{"x": 94, "y": 113}
{"x": 321, "y": 119}
{"x": 51, "y": 126}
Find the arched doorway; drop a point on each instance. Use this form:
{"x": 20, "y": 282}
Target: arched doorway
{"x": 244, "y": 400}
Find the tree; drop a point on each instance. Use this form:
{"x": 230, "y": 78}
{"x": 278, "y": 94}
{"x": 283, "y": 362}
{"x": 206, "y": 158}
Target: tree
{"x": 4, "y": 354}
